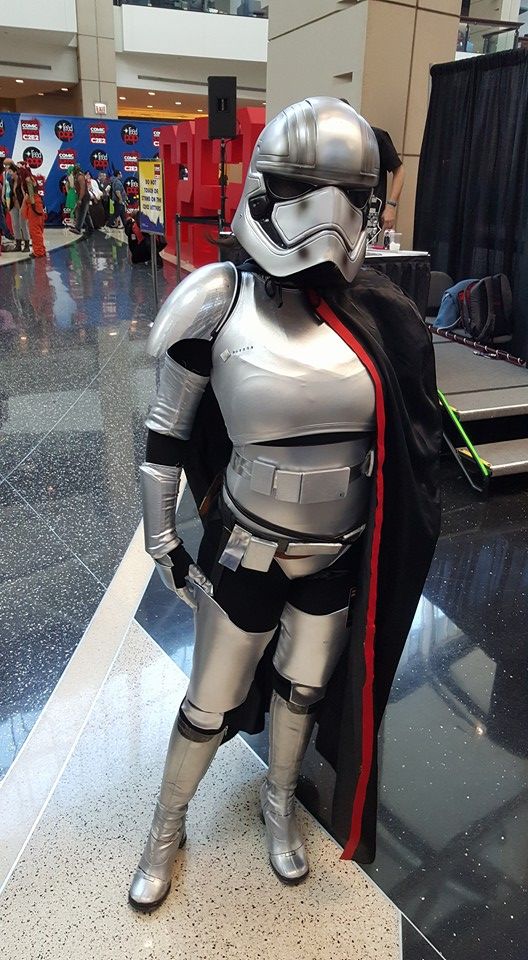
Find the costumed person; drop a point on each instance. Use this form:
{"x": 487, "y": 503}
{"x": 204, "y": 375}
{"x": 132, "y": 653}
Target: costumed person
{"x": 71, "y": 196}
{"x": 33, "y": 211}
{"x": 298, "y": 394}
{"x": 14, "y": 196}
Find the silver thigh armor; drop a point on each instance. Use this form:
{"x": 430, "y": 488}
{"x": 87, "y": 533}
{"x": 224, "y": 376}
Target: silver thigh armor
{"x": 307, "y": 653}
{"x": 224, "y": 662}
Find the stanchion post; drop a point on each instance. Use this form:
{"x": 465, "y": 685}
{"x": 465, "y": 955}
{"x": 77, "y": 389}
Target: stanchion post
{"x": 154, "y": 266}
{"x": 178, "y": 248}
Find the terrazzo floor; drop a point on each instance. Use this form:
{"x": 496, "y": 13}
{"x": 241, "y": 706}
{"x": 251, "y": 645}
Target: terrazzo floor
{"x": 54, "y": 237}
{"x": 74, "y": 389}
{"x": 68, "y": 894}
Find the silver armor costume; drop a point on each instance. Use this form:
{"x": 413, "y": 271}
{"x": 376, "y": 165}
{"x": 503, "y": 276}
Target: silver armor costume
{"x": 277, "y": 375}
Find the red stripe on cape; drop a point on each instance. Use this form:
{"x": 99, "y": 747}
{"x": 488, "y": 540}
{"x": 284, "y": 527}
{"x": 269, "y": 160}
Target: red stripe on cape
{"x": 326, "y": 314}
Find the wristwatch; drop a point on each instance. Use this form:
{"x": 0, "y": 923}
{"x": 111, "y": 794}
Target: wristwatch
{"x": 392, "y": 203}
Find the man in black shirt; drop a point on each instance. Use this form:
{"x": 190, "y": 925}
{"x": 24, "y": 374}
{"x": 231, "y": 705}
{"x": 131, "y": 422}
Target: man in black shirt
{"x": 389, "y": 163}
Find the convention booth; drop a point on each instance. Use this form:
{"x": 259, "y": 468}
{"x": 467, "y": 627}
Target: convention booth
{"x": 472, "y": 215}
{"x": 191, "y": 168}
{"x": 50, "y": 145}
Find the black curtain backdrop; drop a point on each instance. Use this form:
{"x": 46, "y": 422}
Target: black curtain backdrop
{"x": 472, "y": 194}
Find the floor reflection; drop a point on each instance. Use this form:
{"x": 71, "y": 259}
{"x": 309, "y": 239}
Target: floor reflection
{"x": 453, "y": 842}
{"x": 76, "y": 384}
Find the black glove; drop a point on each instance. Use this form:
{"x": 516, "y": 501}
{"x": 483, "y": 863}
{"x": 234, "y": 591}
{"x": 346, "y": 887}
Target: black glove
{"x": 181, "y": 562}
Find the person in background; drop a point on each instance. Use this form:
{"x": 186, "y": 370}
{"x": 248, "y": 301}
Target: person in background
{"x": 93, "y": 187}
{"x": 103, "y": 182}
{"x": 389, "y": 163}
{"x": 96, "y": 210}
{"x": 33, "y": 211}
{"x": 83, "y": 202}
{"x": 71, "y": 196}
{"x": 14, "y": 196}
{"x": 3, "y": 224}
{"x": 139, "y": 244}
{"x": 5, "y": 232}
{"x": 117, "y": 195}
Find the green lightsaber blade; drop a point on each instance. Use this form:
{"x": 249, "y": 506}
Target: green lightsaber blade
{"x": 478, "y": 460}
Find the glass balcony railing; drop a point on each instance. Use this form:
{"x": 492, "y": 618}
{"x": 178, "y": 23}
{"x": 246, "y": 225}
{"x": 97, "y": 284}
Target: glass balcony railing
{"x": 236, "y": 8}
{"x": 487, "y": 36}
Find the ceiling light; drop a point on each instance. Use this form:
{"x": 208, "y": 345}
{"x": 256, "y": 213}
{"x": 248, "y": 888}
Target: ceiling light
{"x": 64, "y": 89}
{"x": 151, "y": 93}
{"x": 178, "y": 103}
{"x": 122, "y": 98}
{"x": 149, "y": 106}
{"x": 200, "y": 110}
{"x": 19, "y": 81}
{"x": 40, "y": 94}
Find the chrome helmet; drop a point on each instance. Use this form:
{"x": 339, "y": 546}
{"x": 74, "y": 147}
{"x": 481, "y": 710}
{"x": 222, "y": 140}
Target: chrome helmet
{"x": 306, "y": 196}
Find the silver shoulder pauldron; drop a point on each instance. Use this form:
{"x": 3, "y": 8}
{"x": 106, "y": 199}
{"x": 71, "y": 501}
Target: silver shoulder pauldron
{"x": 196, "y": 309}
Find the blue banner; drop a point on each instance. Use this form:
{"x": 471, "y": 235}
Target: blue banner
{"x": 49, "y": 145}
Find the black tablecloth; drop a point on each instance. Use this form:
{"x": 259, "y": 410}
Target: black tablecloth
{"x": 411, "y": 273}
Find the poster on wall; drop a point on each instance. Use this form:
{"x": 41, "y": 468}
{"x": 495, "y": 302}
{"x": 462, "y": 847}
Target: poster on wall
{"x": 151, "y": 201}
{"x": 51, "y": 145}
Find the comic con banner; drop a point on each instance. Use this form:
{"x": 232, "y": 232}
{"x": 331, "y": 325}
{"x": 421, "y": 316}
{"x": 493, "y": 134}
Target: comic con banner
{"x": 50, "y": 145}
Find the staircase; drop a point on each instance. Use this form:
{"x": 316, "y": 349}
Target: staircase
{"x": 485, "y": 402}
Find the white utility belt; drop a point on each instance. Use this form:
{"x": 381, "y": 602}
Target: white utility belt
{"x": 297, "y": 486}
{"x": 256, "y": 551}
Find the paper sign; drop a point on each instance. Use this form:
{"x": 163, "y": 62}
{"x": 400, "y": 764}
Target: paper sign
{"x": 151, "y": 203}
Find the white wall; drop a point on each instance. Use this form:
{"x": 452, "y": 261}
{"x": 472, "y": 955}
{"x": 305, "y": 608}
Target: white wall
{"x": 322, "y": 56}
{"x": 187, "y": 75}
{"x": 57, "y": 16}
{"x": 39, "y": 55}
{"x": 178, "y": 33}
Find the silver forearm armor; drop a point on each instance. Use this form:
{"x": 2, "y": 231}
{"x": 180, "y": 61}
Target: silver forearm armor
{"x": 196, "y": 309}
{"x": 177, "y": 401}
{"x": 159, "y": 490}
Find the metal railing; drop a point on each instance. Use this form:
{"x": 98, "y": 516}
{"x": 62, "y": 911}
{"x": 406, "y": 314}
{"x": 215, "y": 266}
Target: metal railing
{"x": 238, "y": 8}
{"x": 487, "y": 36}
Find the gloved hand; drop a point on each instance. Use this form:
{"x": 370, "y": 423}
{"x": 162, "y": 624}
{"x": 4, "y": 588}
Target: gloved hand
{"x": 186, "y": 576}
{"x": 181, "y": 561}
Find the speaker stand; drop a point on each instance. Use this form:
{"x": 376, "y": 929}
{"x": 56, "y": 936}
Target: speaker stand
{"x": 223, "y": 185}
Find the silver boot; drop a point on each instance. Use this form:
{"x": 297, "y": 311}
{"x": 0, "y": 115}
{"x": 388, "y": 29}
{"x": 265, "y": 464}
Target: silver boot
{"x": 186, "y": 764}
{"x": 290, "y": 734}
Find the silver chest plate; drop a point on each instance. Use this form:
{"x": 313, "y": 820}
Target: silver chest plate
{"x": 277, "y": 373}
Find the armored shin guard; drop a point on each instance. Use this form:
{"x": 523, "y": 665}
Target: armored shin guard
{"x": 290, "y": 734}
{"x": 187, "y": 763}
{"x": 307, "y": 652}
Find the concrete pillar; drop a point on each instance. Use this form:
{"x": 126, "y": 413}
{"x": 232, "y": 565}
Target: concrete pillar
{"x": 96, "y": 56}
{"x": 376, "y": 53}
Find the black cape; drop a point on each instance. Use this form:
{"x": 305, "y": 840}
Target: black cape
{"x": 404, "y": 521}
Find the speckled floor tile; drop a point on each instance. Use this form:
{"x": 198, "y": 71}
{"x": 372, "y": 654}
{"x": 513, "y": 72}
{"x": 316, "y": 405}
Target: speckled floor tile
{"x": 61, "y": 320}
{"x": 83, "y": 480}
{"x": 414, "y": 947}
{"x": 40, "y": 761}
{"x": 68, "y": 895}
{"x": 47, "y": 598}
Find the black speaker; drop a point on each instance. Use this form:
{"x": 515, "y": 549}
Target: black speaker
{"x": 222, "y": 107}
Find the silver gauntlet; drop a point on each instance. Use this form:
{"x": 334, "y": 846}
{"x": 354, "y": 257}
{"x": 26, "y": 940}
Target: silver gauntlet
{"x": 159, "y": 490}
